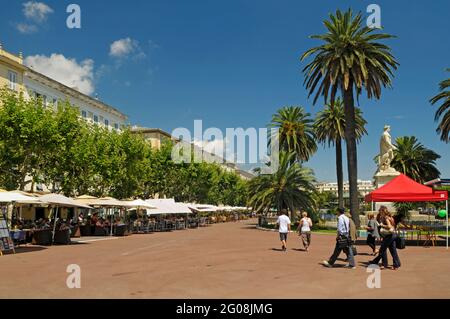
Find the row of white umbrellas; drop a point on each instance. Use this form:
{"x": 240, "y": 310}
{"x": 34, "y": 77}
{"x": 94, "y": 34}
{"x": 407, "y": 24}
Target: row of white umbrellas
{"x": 152, "y": 206}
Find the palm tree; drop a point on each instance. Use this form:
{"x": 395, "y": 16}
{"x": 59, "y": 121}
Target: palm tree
{"x": 415, "y": 160}
{"x": 330, "y": 129}
{"x": 349, "y": 60}
{"x": 296, "y": 132}
{"x": 291, "y": 187}
{"x": 444, "y": 110}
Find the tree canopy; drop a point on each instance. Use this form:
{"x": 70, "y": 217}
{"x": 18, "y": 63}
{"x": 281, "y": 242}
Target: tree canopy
{"x": 52, "y": 145}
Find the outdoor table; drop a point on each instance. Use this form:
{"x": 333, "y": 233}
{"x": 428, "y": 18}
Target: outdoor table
{"x": 18, "y": 236}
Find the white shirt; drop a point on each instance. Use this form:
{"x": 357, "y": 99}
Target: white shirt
{"x": 305, "y": 224}
{"x": 343, "y": 225}
{"x": 283, "y": 221}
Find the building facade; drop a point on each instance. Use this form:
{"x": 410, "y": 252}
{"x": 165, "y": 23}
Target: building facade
{"x": 156, "y": 137}
{"x": 11, "y": 70}
{"x": 15, "y": 76}
{"x": 364, "y": 187}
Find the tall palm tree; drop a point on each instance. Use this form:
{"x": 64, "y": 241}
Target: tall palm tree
{"x": 415, "y": 160}
{"x": 349, "y": 60}
{"x": 290, "y": 187}
{"x": 444, "y": 110}
{"x": 330, "y": 129}
{"x": 296, "y": 132}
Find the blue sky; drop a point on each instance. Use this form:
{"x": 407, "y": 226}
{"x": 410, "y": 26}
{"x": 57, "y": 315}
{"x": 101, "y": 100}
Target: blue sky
{"x": 234, "y": 63}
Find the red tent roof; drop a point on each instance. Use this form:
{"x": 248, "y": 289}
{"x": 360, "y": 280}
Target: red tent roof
{"x": 404, "y": 189}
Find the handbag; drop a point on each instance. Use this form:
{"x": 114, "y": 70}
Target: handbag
{"x": 400, "y": 242}
{"x": 344, "y": 241}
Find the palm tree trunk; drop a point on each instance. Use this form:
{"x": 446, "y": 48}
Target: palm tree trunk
{"x": 352, "y": 158}
{"x": 339, "y": 173}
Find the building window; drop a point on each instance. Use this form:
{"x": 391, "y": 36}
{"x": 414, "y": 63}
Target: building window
{"x": 55, "y": 102}
{"x": 106, "y": 123}
{"x": 95, "y": 118}
{"x": 12, "y": 80}
{"x": 116, "y": 126}
{"x": 84, "y": 114}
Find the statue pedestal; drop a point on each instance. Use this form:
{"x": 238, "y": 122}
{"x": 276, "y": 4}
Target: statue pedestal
{"x": 382, "y": 178}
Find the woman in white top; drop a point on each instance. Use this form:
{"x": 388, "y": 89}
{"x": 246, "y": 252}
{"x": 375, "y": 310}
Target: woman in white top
{"x": 304, "y": 229}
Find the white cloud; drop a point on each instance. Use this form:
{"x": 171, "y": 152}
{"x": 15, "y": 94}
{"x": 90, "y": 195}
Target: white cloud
{"x": 123, "y": 47}
{"x": 67, "y": 71}
{"x": 219, "y": 147}
{"x": 26, "y": 28}
{"x": 36, "y": 11}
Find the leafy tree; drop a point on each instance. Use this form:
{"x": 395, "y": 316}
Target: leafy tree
{"x": 443, "y": 112}
{"x": 350, "y": 59}
{"x": 415, "y": 160}
{"x": 27, "y": 139}
{"x": 290, "y": 187}
{"x": 330, "y": 129}
{"x": 296, "y": 132}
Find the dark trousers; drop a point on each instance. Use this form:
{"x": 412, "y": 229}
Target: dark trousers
{"x": 337, "y": 252}
{"x": 371, "y": 241}
{"x": 388, "y": 242}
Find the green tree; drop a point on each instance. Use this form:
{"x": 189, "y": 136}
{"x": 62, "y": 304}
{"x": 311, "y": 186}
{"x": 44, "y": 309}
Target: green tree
{"x": 349, "y": 59}
{"x": 443, "y": 112}
{"x": 415, "y": 160}
{"x": 290, "y": 187}
{"x": 296, "y": 132}
{"x": 330, "y": 129}
{"x": 27, "y": 139}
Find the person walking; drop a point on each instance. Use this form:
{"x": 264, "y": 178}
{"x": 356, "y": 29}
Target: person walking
{"x": 343, "y": 241}
{"x": 284, "y": 224}
{"x": 387, "y": 232}
{"x": 372, "y": 233}
{"x": 353, "y": 237}
{"x": 304, "y": 230}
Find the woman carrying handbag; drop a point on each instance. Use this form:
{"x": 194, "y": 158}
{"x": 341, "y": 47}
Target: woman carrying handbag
{"x": 388, "y": 233}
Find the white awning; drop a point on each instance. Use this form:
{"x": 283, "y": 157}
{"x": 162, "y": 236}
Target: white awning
{"x": 9, "y": 197}
{"x": 167, "y": 206}
{"x": 61, "y": 200}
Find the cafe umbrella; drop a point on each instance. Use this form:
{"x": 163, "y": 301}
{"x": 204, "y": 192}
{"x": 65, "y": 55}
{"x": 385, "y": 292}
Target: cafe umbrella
{"x": 57, "y": 201}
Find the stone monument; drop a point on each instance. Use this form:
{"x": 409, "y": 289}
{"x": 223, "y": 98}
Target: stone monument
{"x": 385, "y": 172}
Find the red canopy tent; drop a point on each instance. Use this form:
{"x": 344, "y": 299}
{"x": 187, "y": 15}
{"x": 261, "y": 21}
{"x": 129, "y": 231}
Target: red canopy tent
{"x": 404, "y": 189}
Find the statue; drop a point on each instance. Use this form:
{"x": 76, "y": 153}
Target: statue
{"x": 386, "y": 151}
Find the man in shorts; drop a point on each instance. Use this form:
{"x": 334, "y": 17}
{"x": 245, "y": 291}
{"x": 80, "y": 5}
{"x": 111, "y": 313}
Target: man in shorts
{"x": 284, "y": 224}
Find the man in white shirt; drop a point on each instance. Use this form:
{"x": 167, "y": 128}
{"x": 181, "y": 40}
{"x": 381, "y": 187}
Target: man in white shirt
{"x": 343, "y": 236}
{"x": 284, "y": 228}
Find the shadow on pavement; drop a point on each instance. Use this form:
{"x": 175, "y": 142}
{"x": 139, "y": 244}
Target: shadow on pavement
{"x": 26, "y": 249}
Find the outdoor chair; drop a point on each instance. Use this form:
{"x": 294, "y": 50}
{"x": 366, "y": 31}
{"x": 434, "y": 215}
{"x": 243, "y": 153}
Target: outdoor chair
{"x": 75, "y": 231}
{"x": 42, "y": 237}
{"x": 150, "y": 227}
{"x": 99, "y": 231}
{"x": 120, "y": 230}
{"x": 62, "y": 237}
{"x": 85, "y": 230}
{"x": 19, "y": 237}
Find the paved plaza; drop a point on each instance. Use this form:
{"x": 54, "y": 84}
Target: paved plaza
{"x": 231, "y": 260}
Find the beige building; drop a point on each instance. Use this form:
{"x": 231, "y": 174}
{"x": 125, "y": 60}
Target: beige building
{"x": 11, "y": 70}
{"x": 20, "y": 78}
{"x": 364, "y": 187}
{"x": 156, "y": 138}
